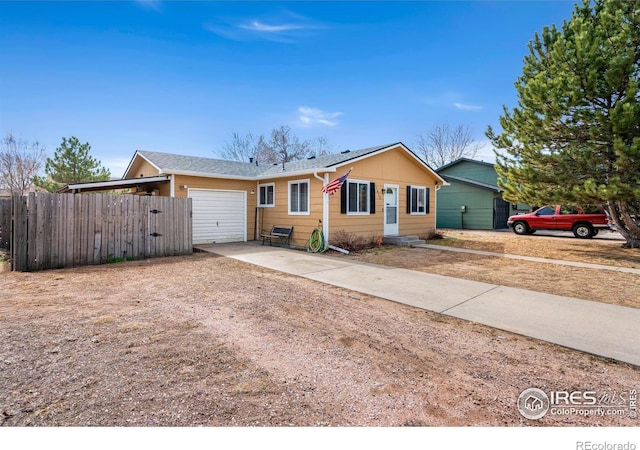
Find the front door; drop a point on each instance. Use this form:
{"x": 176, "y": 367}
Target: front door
{"x": 390, "y": 210}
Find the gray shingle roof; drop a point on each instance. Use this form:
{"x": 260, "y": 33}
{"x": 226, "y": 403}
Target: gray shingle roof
{"x": 171, "y": 163}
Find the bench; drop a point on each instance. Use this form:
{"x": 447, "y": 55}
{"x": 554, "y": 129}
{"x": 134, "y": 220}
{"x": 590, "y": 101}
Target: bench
{"x": 282, "y": 233}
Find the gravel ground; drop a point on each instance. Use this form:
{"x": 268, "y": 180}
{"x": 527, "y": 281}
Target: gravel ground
{"x": 206, "y": 340}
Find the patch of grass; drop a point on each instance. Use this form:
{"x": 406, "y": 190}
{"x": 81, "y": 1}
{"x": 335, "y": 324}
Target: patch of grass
{"x": 133, "y": 326}
{"x": 104, "y": 319}
{"x": 442, "y": 241}
{"x": 119, "y": 259}
{"x": 380, "y": 249}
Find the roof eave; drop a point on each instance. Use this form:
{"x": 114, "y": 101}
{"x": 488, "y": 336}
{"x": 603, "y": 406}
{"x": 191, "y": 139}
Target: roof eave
{"x": 113, "y": 184}
{"x": 138, "y": 153}
{"x": 191, "y": 173}
{"x": 477, "y": 184}
{"x": 295, "y": 173}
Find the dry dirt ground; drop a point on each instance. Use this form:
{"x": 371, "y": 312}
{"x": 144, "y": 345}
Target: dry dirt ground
{"x": 206, "y": 340}
{"x": 606, "y": 286}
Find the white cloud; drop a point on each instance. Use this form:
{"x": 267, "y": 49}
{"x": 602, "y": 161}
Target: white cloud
{"x": 260, "y": 27}
{"x": 465, "y": 107}
{"x": 155, "y": 5}
{"x": 309, "y": 117}
{"x": 286, "y": 27}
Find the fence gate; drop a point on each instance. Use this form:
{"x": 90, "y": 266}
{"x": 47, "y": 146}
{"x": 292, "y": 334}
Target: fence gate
{"x": 500, "y": 213}
{"x": 64, "y": 230}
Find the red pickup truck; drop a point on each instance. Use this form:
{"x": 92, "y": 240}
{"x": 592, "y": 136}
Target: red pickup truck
{"x": 584, "y": 222}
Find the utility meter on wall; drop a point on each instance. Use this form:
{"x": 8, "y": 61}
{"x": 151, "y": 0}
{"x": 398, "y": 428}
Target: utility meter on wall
{"x": 463, "y": 208}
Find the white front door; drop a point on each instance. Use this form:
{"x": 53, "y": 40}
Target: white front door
{"x": 390, "y": 209}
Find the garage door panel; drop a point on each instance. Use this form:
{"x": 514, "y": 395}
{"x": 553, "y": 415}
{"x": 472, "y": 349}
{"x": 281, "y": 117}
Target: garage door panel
{"x": 218, "y": 216}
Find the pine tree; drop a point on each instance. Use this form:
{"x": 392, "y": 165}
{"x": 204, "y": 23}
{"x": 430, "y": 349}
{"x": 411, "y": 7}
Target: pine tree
{"x": 71, "y": 163}
{"x": 575, "y": 135}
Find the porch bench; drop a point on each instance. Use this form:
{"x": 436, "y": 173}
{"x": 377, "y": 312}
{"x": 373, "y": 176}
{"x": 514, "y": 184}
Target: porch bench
{"x": 281, "y": 233}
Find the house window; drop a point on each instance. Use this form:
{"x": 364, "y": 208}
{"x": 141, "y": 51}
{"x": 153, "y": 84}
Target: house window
{"x": 357, "y": 197}
{"x": 299, "y": 197}
{"x": 266, "y": 195}
{"x": 417, "y": 200}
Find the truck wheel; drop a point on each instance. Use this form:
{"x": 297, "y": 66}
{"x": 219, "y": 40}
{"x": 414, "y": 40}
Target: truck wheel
{"x": 520, "y": 227}
{"x": 583, "y": 231}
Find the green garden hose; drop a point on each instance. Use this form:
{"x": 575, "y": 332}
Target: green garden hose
{"x": 316, "y": 241}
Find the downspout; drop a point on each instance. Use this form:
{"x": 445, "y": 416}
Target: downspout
{"x": 257, "y": 214}
{"x": 172, "y": 185}
{"x": 325, "y": 208}
{"x": 435, "y": 208}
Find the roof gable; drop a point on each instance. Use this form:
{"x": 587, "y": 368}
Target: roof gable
{"x": 463, "y": 160}
{"x": 469, "y": 169}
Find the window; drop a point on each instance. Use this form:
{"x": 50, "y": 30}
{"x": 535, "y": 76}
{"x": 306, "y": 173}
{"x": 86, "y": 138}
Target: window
{"x": 417, "y": 200}
{"x": 266, "y": 195}
{"x": 546, "y": 211}
{"x": 299, "y": 197}
{"x": 357, "y": 197}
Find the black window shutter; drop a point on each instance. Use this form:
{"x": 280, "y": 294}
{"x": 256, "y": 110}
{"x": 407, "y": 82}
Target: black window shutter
{"x": 372, "y": 198}
{"x": 343, "y": 198}
{"x": 426, "y": 200}
{"x": 408, "y": 199}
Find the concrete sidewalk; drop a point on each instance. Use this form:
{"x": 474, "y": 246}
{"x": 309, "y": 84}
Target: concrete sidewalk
{"x": 597, "y": 328}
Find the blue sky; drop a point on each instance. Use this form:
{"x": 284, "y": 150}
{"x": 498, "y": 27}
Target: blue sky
{"x": 181, "y": 76}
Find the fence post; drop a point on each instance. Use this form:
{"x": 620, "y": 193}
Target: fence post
{"x": 19, "y": 233}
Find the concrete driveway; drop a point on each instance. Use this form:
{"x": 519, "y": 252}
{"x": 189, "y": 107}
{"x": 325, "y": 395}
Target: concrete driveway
{"x": 593, "y": 327}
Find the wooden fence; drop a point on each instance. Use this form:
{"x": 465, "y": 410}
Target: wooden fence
{"x": 5, "y": 223}
{"x": 64, "y": 230}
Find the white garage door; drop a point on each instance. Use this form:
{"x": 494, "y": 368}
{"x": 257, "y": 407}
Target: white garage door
{"x": 218, "y": 216}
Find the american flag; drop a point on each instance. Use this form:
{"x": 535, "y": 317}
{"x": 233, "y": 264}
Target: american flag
{"x": 334, "y": 186}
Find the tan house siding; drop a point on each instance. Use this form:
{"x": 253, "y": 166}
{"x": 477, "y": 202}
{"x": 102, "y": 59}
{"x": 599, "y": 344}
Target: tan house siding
{"x": 394, "y": 167}
{"x": 214, "y": 183}
{"x": 303, "y": 224}
{"x": 141, "y": 168}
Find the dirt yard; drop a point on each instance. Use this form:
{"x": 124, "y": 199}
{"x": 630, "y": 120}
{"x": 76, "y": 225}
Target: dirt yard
{"x": 206, "y": 340}
{"x": 606, "y": 286}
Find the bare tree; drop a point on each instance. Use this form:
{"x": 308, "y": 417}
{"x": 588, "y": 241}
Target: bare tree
{"x": 282, "y": 146}
{"x": 286, "y": 146}
{"x": 240, "y": 148}
{"x": 321, "y": 147}
{"x": 20, "y": 161}
{"x": 444, "y": 144}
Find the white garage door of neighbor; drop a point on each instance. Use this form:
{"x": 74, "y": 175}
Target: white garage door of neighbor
{"x": 218, "y": 216}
